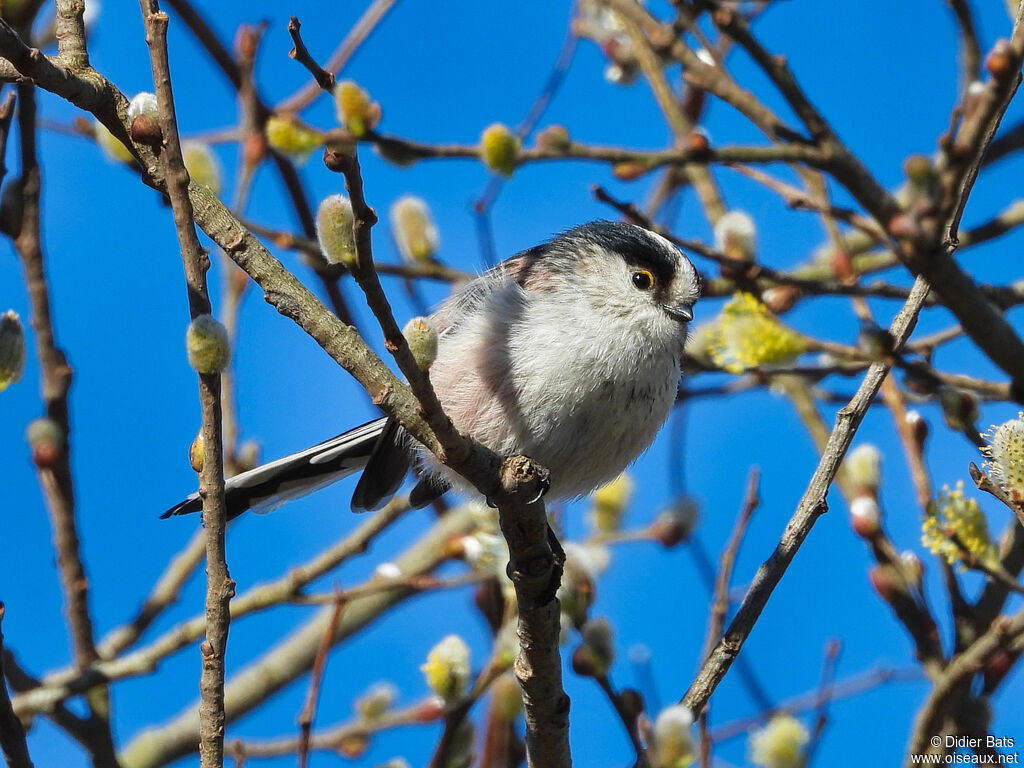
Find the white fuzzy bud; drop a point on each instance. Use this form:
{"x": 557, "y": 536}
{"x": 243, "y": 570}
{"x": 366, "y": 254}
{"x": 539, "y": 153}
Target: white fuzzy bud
{"x": 143, "y": 104}
{"x": 736, "y": 235}
{"x": 779, "y": 744}
{"x": 866, "y": 508}
{"x": 447, "y": 669}
{"x": 207, "y": 344}
{"x": 376, "y": 701}
{"x": 202, "y": 165}
{"x": 414, "y": 230}
{"x": 597, "y": 637}
{"x": 422, "y": 338}
{"x": 864, "y": 467}
{"x": 705, "y": 56}
{"x": 111, "y": 145}
{"x": 335, "y": 230}
{"x": 673, "y": 745}
{"x": 388, "y": 571}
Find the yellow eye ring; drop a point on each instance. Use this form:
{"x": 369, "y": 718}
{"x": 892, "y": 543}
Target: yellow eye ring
{"x": 643, "y": 279}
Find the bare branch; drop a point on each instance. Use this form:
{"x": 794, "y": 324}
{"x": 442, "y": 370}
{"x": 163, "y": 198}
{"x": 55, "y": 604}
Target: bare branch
{"x": 811, "y": 506}
{"x": 316, "y": 679}
{"x": 299, "y": 52}
{"x": 219, "y": 586}
{"x": 535, "y": 568}
{"x": 294, "y": 656}
{"x": 356, "y": 36}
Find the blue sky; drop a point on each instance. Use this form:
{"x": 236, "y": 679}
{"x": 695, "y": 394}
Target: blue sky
{"x": 884, "y": 73}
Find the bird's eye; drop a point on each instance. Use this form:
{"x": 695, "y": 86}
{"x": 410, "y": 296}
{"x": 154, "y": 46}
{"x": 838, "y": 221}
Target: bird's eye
{"x": 643, "y": 280}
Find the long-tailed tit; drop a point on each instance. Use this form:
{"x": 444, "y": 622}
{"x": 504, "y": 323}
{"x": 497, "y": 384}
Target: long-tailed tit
{"x": 568, "y": 353}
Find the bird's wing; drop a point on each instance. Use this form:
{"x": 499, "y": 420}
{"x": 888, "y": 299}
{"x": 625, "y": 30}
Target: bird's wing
{"x": 266, "y": 487}
{"x": 474, "y": 294}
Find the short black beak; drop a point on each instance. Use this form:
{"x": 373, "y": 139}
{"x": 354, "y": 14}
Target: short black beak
{"x": 681, "y": 312}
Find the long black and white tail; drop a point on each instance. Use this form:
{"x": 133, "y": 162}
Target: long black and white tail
{"x": 267, "y": 487}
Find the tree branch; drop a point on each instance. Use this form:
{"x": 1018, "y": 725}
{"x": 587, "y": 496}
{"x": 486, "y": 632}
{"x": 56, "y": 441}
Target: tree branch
{"x": 811, "y": 506}
{"x": 294, "y": 656}
{"x": 219, "y": 586}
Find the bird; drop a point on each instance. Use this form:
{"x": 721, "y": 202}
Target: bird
{"x": 568, "y": 353}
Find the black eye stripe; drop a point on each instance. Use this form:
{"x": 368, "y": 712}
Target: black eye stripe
{"x": 634, "y": 245}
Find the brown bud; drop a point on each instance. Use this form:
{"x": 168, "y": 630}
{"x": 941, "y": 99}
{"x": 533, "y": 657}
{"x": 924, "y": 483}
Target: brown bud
{"x": 781, "y": 298}
{"x": 247, "y": 40}
{"x": 554, "y": 138}
{"x": 903, "y": 227}
{"x": 45, "y": 454}
{"x": 697, "y": 141}
{"x": 248, "y": 455}
{"x": 919, "y": 169}
{"x": 675, "y": 523}
{"x": 722, "y": 16}
{"x": 999, "y": 61}
{"x": 630, "y": 170}
{"x": 46, "y": 440}
{"x": 353, "y": 746}
{"x": 865, "y": 515}
{"x": 920, "y": 382}
{"x": 335, "y": 161}
{"x": 196, "y": 453}
{"x": 959, "y": 407}
{"x": 997, "y": 665}
{"x": 373, "y": 116}
{"x": 429, "y": 711}
{"x": 842, "y": 267}
{"x": 146, "y": 130}
{"x": 918, "y": 428}
{"x": 632, "y": 702}
{"x": 84, "y": 126}
{"x": 873, "y": 340}
{"x": 490, "y": 601}
{"x": 972, "y": 97}
{"x": 887, "y": 582}
{"x": 584, "y": 663}
{"x": 255, "y": 150}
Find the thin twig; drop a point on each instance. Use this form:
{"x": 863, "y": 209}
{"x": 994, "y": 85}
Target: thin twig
{"x": 62, "y": 684}
{"x": 726, "y": 563}
{"x": 293, "y": 656}
{"x": 308, "y": 712}
{"x": 720, "y": 598}
{"x": 987, "y": 484}
{"x": 844, "y": 689}
{"x": 825, "y": 694}
{"x": 629, "y": 719}
{"x": 335, "y": 738}
{"x": 324, "y": 79}
{"x": 970, "y": 48}
{"x": 56, "y": 477}
{"x": 219, "y": 586}
{"x": 356, "y": 36}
